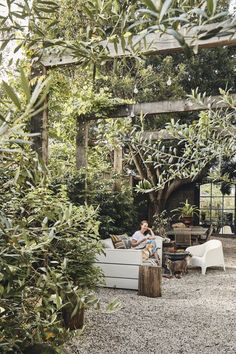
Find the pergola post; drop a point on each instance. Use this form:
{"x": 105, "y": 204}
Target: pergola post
{"x": 118, "y": 167}
{"x": 81, "y": 142}
{"x": 39, "y": 121}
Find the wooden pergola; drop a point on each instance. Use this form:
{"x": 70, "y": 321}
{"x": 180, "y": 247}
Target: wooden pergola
{"x": 153, "y": 43}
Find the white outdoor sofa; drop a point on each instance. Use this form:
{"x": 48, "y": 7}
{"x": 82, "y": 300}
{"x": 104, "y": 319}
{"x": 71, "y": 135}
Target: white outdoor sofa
{"x": 209, "y": 254}
{"x": 121, "y": 266}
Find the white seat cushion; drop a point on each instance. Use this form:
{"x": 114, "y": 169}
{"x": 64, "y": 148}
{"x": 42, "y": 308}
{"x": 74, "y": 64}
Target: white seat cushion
{"x": 108, "y": 243}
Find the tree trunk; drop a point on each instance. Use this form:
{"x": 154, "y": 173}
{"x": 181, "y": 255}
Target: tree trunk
{"x": 81, "y": 143}
{"x": 157, "y": 203}
{"x": 163, "y": 195}
{"x": 149, "y": 281}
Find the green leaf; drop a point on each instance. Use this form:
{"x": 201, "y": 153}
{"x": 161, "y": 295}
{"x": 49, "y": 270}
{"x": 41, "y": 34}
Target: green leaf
{"x": 18, "y": 47}
{"x": 75, "y": 311}
{"x": 25, "y": 84}
{"x": 150, "y": 5}
{"x": 11, "y": 94}
{"x": 41, "y": 86}
{"x": 127, "y": 34}
{"x": 17, "y": 174}
{"x": 123, "y": 44}
{"x": 147, "y": 12}
{"x": 45, "y": 221}
{"x": 217, "y": 16}
{"x": 4, "y": 44}
{"x": 211, "y": 6}
{"x": 164, "y": 9}
{"x": 212, "y": 33}
{"x": 178, "y": 36}
{"x": 17, "y": 14}
{"x": 58, "y": 301}
{"x": 113, "y": 306}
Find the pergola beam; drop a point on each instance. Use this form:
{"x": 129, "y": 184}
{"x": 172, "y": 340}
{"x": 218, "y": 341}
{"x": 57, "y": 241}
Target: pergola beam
{"x": 162, "y": 134}
{"x": 153, "y": 43}
{"x": 163, "y": 107}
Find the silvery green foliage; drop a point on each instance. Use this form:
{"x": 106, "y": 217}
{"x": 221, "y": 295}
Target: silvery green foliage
{"x": 29, "y": 22}
{"x": 191, "y": 149}
{"x": 232, "y": 8}
{"x": 22, "y": 103}
{"x": 177, "y": 17}
{"x": 21, "y": 27}
{"x": 48, "y": 246}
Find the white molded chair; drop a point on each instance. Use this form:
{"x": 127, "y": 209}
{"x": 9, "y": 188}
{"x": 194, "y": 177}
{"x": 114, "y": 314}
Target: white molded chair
{"x": 209, "y": 254}
{"x": 226, "y": 230}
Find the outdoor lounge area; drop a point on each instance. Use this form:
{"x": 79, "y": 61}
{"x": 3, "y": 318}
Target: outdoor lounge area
{"x": 121, "y": 267}
{"x": 197, "y": 310}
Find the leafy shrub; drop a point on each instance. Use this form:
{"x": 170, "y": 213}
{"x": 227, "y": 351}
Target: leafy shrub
{"x": 49, "y": 249}
{"x": 161, "y": 223}
{"x": 117, "y": 213}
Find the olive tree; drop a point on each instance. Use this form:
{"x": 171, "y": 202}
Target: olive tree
{"x": 185, "y": 152}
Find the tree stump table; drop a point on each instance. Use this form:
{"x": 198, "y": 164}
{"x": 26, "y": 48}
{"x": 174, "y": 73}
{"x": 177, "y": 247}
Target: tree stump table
{"x": 149, "y": 283}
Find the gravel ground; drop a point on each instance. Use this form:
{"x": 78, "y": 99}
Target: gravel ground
{"x": 196, "y": 314}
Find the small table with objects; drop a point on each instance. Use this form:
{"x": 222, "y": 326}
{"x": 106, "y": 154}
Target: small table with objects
{"x": 187, "y": 234}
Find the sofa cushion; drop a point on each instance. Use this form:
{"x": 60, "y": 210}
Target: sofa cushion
{"x": 107, "y": 243}
{"x": 127, "y": 242}
{"x": 119, "y": 241}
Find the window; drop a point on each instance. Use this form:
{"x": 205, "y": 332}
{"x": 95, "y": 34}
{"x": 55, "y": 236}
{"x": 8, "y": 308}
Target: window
{"x": 216, "y": 208}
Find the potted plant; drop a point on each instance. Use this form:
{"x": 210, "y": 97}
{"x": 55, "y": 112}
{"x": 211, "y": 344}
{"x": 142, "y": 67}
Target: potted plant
{"x": 186, "y": 212}
{"x": 161, "y": 223}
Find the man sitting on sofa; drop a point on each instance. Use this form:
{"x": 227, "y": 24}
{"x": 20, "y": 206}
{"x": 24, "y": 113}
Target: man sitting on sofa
{"x": 141, "y": 239}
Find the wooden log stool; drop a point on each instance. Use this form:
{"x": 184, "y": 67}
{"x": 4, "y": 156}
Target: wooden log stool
{"x": 149, "y": 283}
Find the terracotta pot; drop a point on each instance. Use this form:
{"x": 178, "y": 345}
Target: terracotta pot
{"x": 77, "y": 321}
{"x": 40, "y": 349}
{"x": 187, "y": 220}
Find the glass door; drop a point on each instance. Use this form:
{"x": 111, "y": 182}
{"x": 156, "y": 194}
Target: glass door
{"x": 217, "y": 208}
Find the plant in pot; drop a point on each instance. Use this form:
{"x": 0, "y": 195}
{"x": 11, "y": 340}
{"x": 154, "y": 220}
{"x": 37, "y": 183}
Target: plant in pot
{"x": 186, "y": 212}
{"x": 161, "y": 223}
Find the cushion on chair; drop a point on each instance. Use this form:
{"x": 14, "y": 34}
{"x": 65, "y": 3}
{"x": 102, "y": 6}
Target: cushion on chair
{"x": 119, "y": 241}
{"x": 107, "y": 243}
{"x": 179, "y": 225}
{"x": 127, "y": 242}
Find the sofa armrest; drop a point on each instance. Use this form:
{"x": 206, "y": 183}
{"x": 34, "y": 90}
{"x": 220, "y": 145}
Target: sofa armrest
{"x": 159, "y": 241}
